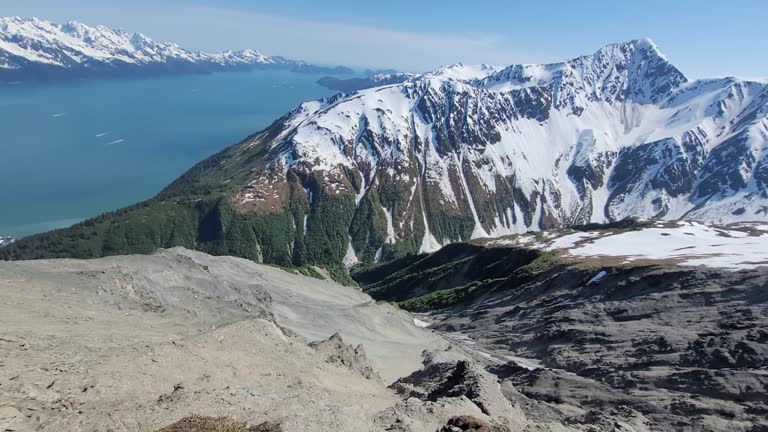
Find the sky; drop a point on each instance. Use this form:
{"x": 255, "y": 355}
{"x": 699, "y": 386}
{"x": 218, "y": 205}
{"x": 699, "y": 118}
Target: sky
{"x": 704, "y": 38}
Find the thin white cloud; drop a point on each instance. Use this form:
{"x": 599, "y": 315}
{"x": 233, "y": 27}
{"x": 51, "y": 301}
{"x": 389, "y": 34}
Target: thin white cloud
{"x": 339, "y": 43}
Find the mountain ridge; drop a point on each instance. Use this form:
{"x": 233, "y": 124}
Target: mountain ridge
{"x": 468, "y": 152}
{"x": 32, "y": 49}
{"x": 562, "y": 93}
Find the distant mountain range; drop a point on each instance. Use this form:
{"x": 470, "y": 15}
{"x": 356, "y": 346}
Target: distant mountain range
{"x": 387, "y": 77}
{"x": 37, "y": 50}
{"x": 349, "y": 85}
{"x": 459, "y": 153}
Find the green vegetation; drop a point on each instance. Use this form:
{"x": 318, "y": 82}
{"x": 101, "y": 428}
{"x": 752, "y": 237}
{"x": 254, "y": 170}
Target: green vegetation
{"x": 626, "y": 224}
{"x": 308, "y": 271}
{"x": 369, "y": 227}
{"x": 196, "y": 212}
{"x": 456, "y": 227}
{"x": 456, "y": 274}
{"x": 370, "y": 272}
{"x": 211, "y": 225}
{"x": 544, "y": 261}
{"x": 402, "y": 248}
{"x": 339, "y": 273}
{"x": 139, "y": 229}
{"x": 439, "y": 299}
{"x": 327, "y": 229}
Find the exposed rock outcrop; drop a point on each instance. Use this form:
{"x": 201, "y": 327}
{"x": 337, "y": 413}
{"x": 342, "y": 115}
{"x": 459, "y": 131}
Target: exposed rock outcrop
{"x": 336, "y": 351}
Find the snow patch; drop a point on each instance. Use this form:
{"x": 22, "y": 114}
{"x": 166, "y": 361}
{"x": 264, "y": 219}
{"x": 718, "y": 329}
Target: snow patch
{"x": 391, "y": 237}
{"x": 598, "y": 277}
{"x": 350, "y": 258}
{"x": 689, "y": 244}
{"x": 428, "y": 243}
{"x": 526, "y": 363}
{"x": 740, "y": 246}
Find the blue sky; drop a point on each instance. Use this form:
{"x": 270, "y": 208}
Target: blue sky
{"x": 703, "y": 38}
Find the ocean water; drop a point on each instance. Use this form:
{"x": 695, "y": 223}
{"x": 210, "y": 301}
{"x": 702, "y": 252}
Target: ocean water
{"x": 72, "y": 151}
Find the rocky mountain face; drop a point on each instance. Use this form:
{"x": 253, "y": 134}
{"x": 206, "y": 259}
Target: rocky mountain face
{"x": 37, "y": 50}
{"x": 598, "y": 320}
{"x": 465, "y": 152}
{"x": 462, "y": 153}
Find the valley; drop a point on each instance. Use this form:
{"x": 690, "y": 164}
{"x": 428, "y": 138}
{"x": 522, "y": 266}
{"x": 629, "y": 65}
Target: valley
{"x": 681, "y": 341}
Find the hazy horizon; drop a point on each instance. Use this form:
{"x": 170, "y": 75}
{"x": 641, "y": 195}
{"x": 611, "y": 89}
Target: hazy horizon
{"x": 360, "y": 35}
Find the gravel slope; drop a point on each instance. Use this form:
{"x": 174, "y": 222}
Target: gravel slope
{"x": 138, "y": 343}
{"x": 135, "y": 343}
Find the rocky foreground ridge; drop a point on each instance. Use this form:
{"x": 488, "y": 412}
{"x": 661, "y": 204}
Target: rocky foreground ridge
{"x": 555, "y": 331}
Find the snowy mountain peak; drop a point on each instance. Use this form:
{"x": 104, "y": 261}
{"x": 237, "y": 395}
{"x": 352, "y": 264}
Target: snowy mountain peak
{"x": 648, "y": 44}
{"x": 462, "y": 72}
{"x": 75, "y": 28}
{"x": 644, "y": 45}
{"x": 634, "y": 70}
{"x": 629, "y": 70}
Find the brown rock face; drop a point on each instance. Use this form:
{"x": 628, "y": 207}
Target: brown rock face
{"x": 218, "y": 424}
{"x": 471, "y": 424}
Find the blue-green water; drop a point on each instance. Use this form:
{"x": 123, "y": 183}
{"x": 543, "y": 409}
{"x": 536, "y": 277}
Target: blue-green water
{"x": 71, "y": 151}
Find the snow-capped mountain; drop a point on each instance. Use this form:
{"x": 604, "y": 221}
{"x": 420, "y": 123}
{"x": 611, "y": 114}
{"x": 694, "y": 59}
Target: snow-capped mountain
{"x": 474, "y": 152}
{"x": 464, "y": 152}
{"x": 33, "y": 49}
